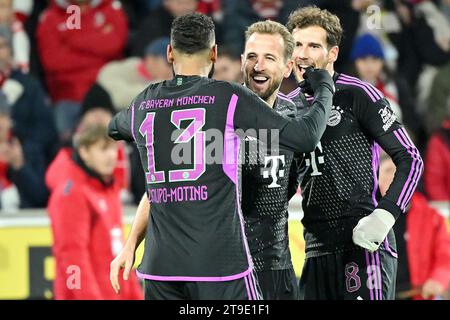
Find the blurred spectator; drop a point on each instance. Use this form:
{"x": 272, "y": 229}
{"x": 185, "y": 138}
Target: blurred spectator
{"x": 437, "y": 168}
{"x": 369, "y": 63}
{"x": 152, "y": 4}
{"x": 9, "y": 195}
{"x": 96, "y": 109}
{"x": 72, "y": 56}
{"x": 445, "y": 8}
{"x": 22, "y": 9}
{"x": 30, "y": 25}
{"x": 138, "y": 10}
{"x": 425, "y": 45}
{"x": 423, "y": 245}
{"x": 32, "y": 141}
{"x": 20, "y": 41}
{"x": 228, "y": 66}
{"x": 86, "y": 219}
{"x": 21, "y": 168}
{"x": 380, "y": 19}
{"x": 239, "y": 14}
{"x": 158, "y": 23}
{"x": 212, "y": 8}
{"x": 124, "y": 79}
{"x": 438, "y": 100}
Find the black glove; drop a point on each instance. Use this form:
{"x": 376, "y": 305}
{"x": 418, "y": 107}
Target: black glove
{"x": 314, "y": 78}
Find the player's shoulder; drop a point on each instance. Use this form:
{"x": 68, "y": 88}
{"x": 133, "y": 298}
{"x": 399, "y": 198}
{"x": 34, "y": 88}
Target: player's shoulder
{"x": 285, "y": 99}
{"x": 357, "y": 88}
{"x": 299, "y": 101}
{"x": 293, "y": 94}
{"x": 233, "y": 86}
{"x": 285, "y": 105}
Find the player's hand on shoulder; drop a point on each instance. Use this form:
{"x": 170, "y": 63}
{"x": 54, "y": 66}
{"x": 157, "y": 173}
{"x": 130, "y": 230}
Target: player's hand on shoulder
{"x": 371, "y": 230}
{"x": 314, "y": 79}
{"x": 124, "y": 260}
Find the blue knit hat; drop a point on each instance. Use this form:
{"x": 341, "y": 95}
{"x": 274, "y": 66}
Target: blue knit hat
{"x": 157, "y": 47}
{"x": 366, "y": 45}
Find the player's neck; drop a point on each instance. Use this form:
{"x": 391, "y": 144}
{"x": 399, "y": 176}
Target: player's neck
{"x": 330, "y": 69}
{"x": 192, "y": 68}
{"x": 271, "y": 100}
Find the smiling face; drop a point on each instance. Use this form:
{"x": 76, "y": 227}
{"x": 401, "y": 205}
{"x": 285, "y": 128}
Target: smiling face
{"x": 311, "y": 50}
{"x": 264, "y": 65}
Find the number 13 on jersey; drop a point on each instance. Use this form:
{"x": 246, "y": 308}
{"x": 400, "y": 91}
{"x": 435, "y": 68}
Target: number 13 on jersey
{"x": 193, "y": 131}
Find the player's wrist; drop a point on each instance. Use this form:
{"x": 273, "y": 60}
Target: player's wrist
{"x": 131, "y": 243}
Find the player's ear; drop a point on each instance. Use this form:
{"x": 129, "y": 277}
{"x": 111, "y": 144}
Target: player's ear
{"x": 213, "y": 54}
{"x": 242, "y": 62}
{"x": 288, "y": 68}
{"x": 169, "y": 54}
{"x": 333, "y": 54}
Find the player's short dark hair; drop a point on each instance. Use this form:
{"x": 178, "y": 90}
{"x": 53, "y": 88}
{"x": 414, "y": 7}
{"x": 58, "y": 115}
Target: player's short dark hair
{"x": 313, "y": 16}
{"x": 192, "y": 33}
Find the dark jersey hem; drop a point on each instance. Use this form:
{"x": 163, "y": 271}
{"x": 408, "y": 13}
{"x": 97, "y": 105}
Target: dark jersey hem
{"x": 194, "y": 278}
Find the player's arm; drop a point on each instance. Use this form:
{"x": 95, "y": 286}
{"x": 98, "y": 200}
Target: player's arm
{"x": 300, "y": 134}
{"x": 120, "y": 127}
{"x": 125, "y": 259}
{"x": 379, "y": 122}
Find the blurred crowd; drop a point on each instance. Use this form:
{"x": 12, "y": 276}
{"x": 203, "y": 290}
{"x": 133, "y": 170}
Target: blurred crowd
{"x": 65, "y": 68}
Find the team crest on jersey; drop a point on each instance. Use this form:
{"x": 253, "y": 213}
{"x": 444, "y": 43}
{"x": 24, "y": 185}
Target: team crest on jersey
{"x": 335, "y": 116}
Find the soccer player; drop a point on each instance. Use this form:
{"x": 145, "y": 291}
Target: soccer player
{"x": 195, "y": 245}
{"x": 350, "y": 245}
{"x": 269, "y": 180}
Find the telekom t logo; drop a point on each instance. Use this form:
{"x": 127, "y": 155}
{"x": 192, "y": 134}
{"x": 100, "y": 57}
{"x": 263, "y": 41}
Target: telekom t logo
{"x": 273, "y": 169}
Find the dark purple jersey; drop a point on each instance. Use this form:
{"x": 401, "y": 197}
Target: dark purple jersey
{"x": 185, "y": 131}
{"x": 269, "y": 180}
{"x": 341, "y": 182}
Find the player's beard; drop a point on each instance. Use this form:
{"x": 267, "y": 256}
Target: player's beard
{"x": 266, "y": 94}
